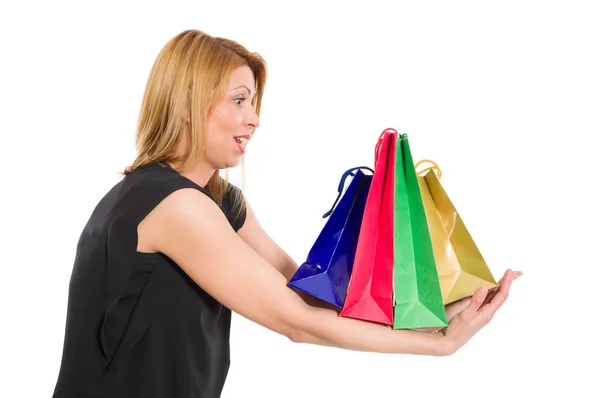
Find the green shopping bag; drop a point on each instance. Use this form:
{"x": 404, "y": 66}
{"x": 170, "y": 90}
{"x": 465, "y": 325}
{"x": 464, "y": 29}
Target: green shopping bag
{"x": 418, "y": 301}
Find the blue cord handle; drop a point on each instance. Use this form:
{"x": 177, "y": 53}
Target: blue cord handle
{"x": 348, "y": 172}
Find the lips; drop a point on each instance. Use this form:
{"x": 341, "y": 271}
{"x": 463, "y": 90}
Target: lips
{"x": 242, "y": 141}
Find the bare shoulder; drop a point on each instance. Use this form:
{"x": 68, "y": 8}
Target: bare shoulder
{"x": 175, "y": 208}
{"x": 192, "y": 230}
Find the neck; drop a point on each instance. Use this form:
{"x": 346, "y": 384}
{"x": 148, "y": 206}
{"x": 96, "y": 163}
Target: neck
{"x": 199, "y": 174}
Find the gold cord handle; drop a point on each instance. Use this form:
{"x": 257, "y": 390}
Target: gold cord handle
{"x": 434, "y": 166}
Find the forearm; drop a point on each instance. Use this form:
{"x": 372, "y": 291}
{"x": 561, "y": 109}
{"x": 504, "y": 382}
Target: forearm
{"x": 321, "y": 325}
{"x": 315, "y": 302}
{"x": 287, "y": 267}
{"x": 324, "y": 327}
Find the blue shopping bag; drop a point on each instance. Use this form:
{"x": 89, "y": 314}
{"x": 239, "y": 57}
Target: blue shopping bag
{"x": 326, "y": 272}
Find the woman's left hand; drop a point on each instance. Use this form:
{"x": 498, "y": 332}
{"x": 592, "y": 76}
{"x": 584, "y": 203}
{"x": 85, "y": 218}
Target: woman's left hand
{"x": 452, "y": 310}
{"x": 455, "y": 308}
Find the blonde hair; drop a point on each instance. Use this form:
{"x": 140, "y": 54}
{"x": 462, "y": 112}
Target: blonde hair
{"x": 188, "y": 77}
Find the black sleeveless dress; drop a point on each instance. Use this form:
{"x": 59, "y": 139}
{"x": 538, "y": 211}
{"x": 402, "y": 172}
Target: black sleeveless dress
{"x": 137, "y": 325}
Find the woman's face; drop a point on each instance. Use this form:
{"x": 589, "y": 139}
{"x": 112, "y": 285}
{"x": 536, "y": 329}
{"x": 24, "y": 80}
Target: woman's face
{"x": 232, "y": 122}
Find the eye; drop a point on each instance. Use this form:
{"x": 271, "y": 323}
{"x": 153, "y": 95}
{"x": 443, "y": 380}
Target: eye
{"x": 239, "y": 100}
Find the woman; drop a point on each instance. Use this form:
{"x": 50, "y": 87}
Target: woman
{"x": 173, "y": 248}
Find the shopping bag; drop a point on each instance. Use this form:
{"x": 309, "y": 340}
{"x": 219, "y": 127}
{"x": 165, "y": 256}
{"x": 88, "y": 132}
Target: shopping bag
{"x": 326, "y": 272}
{"x": 369, "y": 295}
{"x": 460, "y": 265}
{"x": 418, "y": 299}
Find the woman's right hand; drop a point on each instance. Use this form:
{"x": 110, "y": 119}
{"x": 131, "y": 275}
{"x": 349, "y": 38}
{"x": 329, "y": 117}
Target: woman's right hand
{"x": 473, "y": 318}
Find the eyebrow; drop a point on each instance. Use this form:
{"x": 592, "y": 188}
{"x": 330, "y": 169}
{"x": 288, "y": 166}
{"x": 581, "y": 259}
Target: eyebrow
{"x": 242, "y": 86}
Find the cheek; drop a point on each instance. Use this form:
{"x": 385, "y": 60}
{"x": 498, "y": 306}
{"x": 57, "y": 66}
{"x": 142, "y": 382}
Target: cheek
{"x": 222, "y": 126}
{"x": 225, "y": 120}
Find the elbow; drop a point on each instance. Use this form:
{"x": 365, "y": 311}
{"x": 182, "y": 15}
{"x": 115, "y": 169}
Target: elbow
{"x": 303, "y": 337}
{"x": 297, "y": 334}
{"x": 304, "y": 325}
{"x": 297, "y": 331}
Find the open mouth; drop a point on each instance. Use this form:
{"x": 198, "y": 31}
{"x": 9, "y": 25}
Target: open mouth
{"x": 242, "y": 141}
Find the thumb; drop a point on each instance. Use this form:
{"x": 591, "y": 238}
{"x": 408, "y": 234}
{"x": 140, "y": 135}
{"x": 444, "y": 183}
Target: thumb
{"x": 457, "y": 307}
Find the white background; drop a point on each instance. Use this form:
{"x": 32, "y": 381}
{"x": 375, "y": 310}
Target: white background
{"x": 505, "y": 96}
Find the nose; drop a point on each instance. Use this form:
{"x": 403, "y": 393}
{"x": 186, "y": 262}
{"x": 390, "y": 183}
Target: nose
{"x": 252, "y": 119}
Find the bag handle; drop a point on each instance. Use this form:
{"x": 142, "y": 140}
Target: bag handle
{"x": 434, "y": 166}
{"x": 380, "y": 141}
{"x": 348, "y": 172}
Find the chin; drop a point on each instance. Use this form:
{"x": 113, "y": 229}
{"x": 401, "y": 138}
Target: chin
{"x": 232, "y": 162}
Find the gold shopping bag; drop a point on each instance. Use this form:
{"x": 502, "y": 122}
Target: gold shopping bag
{"x": 460, "y": 265}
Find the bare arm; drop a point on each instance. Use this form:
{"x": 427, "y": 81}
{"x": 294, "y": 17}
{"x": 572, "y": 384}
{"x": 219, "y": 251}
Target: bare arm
{"x": 257, "y": 238}
{"x": 189, "y": 228}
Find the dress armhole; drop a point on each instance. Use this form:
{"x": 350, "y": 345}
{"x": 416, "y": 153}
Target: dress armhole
{"x": 234, "y": 207}
{"x": 127, "y": 277}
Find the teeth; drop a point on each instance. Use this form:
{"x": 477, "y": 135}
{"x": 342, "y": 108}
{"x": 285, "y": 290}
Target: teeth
{"x": 242, "y": 141}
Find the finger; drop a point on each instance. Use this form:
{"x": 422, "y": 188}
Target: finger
{"x": 462, "y": 303}
{"x": 504, "y": 276}
{"x": 476, "y": 302}
{"x": 518, "y": 274}
{"x": 502, "y": 294}
{"x": 492, "y": 292}
{"x": 492, "y": 304}
{"x": 490, "y": 296}
{"x": 457, "y": 307}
